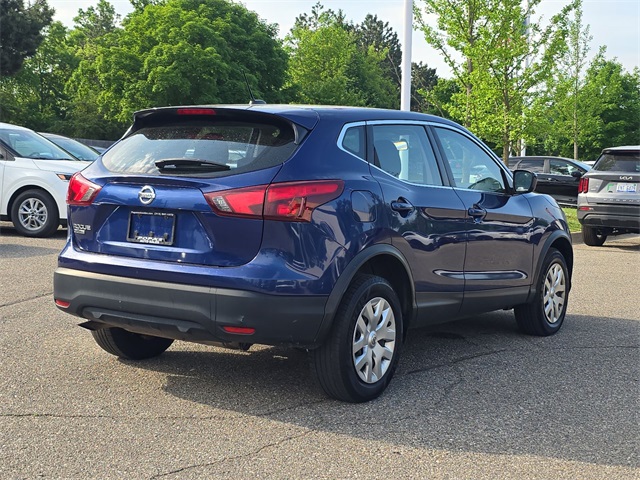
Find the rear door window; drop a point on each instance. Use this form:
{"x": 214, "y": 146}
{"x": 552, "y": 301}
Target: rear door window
{"x": 404, "y": 152}
{"x": 531, "y": 165}
{"x": 196, "y": 147}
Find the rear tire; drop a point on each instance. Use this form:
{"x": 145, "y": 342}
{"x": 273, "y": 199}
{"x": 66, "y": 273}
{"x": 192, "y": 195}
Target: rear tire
{"x": 594, "y": 237}
{"x": 545, "y": 314}
{"x": 129, "y": 345}
{"x": 358, "y": 359}
{"x": 34, "y": 214}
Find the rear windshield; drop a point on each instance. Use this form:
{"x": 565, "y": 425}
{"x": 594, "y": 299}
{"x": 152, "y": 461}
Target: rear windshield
{"x": 185, "y": 145}
{"x": 618, "y": 162}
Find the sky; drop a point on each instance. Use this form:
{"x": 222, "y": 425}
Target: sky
{"x": 613, "y": 23}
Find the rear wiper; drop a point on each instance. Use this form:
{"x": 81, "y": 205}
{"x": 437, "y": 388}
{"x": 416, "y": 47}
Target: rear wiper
{"x": 191, "y": 164}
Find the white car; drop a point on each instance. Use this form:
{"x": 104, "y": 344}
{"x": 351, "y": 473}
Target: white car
{"x": 34, "y": 175}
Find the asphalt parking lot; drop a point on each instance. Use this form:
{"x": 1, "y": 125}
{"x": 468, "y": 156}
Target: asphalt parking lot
{"x": 470, "y": 400}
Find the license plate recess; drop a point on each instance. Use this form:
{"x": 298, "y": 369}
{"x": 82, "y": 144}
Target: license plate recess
{"x": 155, "y": 228}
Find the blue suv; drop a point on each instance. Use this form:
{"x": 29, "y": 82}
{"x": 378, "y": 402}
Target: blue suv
{"x": 332, "y": 229}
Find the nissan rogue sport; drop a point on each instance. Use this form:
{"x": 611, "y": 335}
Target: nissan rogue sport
{"x": 332, "y": 229}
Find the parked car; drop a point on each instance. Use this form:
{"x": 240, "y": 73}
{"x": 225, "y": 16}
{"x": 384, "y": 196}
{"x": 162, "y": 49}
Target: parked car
{"x": 609, "y": 198}
{"x": 338, "y": 230}
{"x": 557, "y": 176}
{"x": 74, "y": 147}
{"x": 34, "y": 175}
{"x": 99, "y": 149}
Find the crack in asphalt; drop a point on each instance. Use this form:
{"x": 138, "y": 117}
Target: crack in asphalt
{"x": 495, "y": 352}
{"x": 294, "y": 407}
{"x": 234, "y": 457}
{"x": 456, "y": 361}
{"x": 18, "y": 302}
{"x": 110, "y": 417}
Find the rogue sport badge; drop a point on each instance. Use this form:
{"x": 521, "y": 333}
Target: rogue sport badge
{"x": 146, "y": 195}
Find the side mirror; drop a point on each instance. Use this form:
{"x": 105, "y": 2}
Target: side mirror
{"x": 524, "y": 181}
{"x": 577, "y": 174}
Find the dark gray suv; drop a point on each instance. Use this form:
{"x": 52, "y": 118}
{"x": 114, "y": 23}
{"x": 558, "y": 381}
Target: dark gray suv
{"x": 609, "y": 195}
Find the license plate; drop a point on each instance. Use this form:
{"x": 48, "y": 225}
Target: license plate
{"x": 156, "y": 228}
{"x": 626, "y": 187}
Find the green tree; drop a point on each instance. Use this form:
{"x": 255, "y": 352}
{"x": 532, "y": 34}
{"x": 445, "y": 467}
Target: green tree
{"x": 612, "y": 104}
{"x": 423, "y": 81}
{"x": 94, "y": 23}
{"x": 186, "y": 51}
{"x": 21, "y": 32}
{"x": 558, "y": 112}
{"x": 376, "y": 33}
{"x": 319, "y": 16}
{"x": 329, "y": 66}
{"x": 35, "y": 96}
{"x": 498, "y": 57}
{"x": 96, "y": 29}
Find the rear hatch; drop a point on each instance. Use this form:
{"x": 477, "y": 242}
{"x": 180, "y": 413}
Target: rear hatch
{"x": 181, "y": 185}
{"x": 614, "y": 179}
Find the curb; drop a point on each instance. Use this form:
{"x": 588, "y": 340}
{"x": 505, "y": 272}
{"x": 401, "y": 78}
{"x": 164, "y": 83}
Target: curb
{"x": 576, "y": 237}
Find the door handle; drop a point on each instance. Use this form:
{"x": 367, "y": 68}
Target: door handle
{"x": 477, "y": 213}
{"x": 402, "y": 206}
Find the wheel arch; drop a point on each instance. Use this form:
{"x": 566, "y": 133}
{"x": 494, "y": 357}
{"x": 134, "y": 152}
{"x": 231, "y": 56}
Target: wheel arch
{"x": 25, "y": 188}
{"x": 561, "y": 241}
{"x": 385, "y": 261}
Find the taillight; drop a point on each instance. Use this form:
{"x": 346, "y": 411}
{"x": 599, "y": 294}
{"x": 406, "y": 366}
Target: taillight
{"x": 583, "y": 186}
{"x": 296, "y": 201}
{"x": 292, "y": 201}
{"x": 81, "y": 191}
{"x": 240, "y": 202}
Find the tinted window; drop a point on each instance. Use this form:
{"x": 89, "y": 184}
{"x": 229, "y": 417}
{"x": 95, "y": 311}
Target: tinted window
{"x": 532, "y": 165}
{"x": 354, "y": 141}
{"x": 404, "y": 151}
{"x": 619, "y": 162}
{"x": 239, "y": 145}
{"x": 562, "y": 167}
{"x": 471, "y": 166}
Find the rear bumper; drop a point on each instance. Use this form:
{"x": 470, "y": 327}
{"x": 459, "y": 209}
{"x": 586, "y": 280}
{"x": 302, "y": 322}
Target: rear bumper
{"x": 626, "y": 217}
{"x": 190, "y": 313}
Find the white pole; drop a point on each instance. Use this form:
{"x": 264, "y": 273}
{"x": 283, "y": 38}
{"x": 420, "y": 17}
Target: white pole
{"x": 527, "y": 62}
{"x": 405, "y": 91}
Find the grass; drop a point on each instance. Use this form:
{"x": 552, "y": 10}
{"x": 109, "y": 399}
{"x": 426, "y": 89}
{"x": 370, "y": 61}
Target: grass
{"x": 572, "y": 218}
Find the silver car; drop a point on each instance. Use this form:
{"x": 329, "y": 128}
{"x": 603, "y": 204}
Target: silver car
{"x": 609, "y": 195}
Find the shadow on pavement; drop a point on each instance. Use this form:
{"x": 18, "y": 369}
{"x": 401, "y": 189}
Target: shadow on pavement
{"x": 475, "y": 385}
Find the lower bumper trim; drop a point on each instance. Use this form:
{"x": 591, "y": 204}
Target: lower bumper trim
{"x": 189, "y": 313}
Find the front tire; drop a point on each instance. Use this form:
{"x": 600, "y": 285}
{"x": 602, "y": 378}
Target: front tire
{"x": 34, "y": 214}
{"x": 545, "y": 314}
{"x": 594, "y": 237}
{"x": 358, "y": 359}
{"x": 129, "y": 345}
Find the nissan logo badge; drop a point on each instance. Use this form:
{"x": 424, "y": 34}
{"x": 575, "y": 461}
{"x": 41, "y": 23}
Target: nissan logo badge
{"x": 146, "y": 195}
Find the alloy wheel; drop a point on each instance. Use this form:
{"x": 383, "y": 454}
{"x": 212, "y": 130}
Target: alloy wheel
{"x": 33, "y": 214}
